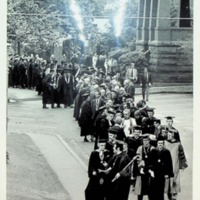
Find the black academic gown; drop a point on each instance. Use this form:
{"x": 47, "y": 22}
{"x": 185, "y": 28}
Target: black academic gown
{"x": 119, "y": 189}
{"x": 85, "y": 119}
{"x": 96, "y": 188}
{"x": 163, "y": 167}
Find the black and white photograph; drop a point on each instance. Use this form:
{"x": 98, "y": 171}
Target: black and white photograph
{"x": 99, "y": 100}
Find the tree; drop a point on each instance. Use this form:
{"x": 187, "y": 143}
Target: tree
{"x": 34, "y": 23}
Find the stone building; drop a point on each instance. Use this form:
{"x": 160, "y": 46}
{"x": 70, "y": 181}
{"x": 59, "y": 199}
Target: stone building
{"x": 162, "y": 26}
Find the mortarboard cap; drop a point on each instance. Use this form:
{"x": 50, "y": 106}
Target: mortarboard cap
{"x": 161, "y": 138}
{"x": 114, "y": 91}
{"x": 127, "y": 96}
{"x": 137, "y": 127}
{"x": 113, "y": 130}
{"x": 116, "y": 106}
{"x": 169, "y": 117}
{"x": 150, "y": 109}
{"x": 145, "y": 136}
{"x": 172, "y": 130}
{"x": 86, "y": 94}
{"x": 111, "y": 112}
{"x": 102, "y": 108}
{"x": 157, "y": 121}
{"x": 102, "y": 140}
{"x": 119, "y": 111}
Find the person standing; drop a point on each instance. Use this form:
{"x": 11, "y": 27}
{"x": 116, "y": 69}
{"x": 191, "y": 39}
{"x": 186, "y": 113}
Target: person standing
{"x": 57, "y": 92}
{"x": 48, "y": 85}
{"x": 145, "y": 83}
{"x": 131, "y": 73}
{"x": 85, "y": 118}
{"x": 67, "y": 86}
{"x": 120, "y": 174}
{"x": 144, "y": 169}
{"x": 179, "y": 163}
{"x": 148, "y": 122}
{"x": 102, "y": 124}
{"x": 96, "y": 188}
{"x": 171, "y": 128}
{"x": 163, "y": 169}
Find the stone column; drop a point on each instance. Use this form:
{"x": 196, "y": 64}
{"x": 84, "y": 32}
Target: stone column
{"x": 153, "y": 20}
{"x": 163, "y": 28}
{"x": 139, "y": 42}
{"x": 145, "y": 32}
{"x": 140, "y": 19}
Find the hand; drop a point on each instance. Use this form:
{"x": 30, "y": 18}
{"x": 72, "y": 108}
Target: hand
{"x": 151, "y": 173}
{"x": 166, "y": 176}
{"x": 105, "y": 164}
{"x": 94, "y": 173}
{"x": 117, "y": 175}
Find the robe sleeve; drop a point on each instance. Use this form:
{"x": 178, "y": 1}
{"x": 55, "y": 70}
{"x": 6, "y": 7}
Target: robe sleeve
{"x": 182, "y": 159}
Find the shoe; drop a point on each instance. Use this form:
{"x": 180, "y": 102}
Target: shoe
{"x": 86, "y": 140}
{"x": 44, "y": 107}
{"x": 59, "y": 107}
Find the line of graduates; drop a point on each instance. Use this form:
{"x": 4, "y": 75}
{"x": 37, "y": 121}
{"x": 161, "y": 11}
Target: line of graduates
{"x": 151, "y": 165}
{"x": 130, "y": 146}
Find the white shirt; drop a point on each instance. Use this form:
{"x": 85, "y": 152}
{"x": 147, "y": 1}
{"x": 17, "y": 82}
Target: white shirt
{"x": 127, "y": 123}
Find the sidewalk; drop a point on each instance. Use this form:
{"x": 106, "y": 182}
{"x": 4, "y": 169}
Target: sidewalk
{"x": 31, "y": 95}
{"x": 43, "y": 170}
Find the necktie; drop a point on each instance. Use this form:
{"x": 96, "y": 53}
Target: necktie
{"x": 97, "y": 104}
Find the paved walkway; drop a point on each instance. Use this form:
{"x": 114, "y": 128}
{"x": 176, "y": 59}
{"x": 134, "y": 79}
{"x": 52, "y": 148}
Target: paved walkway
{"x": 29, "y": 117}
{"x": 71, "y": 171}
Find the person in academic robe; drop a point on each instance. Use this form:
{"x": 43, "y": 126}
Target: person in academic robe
{"x": 163, "y": 170}
{"x": 82, "y": 89}
{"x": 98, "y": 161}
{"x": 85, "y": 118}
{"x": 67, "y": 86}
{"x": 148, "y": 122}
{"x": 144, "y": 169}
{"x": 134, "y": 140}
{"x": 169, "y": 121}
{"x": 96, "y": 104}
{"x": 58, "y": 98}
{"x": 119, "y": 175}
{"x": 38, "y": 77}
{"x": 179, "y": 162}
{"x": 118, "y": 129}
{"x": 48, "y": 85}
{"x": 145, "y": 83}
{"x": 140, "y": 112}
{"x": 102, "y": 124}
{"x": 22, "y": 73}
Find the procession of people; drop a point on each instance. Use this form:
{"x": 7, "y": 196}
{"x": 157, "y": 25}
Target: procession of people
{"x": 132, "y": 148}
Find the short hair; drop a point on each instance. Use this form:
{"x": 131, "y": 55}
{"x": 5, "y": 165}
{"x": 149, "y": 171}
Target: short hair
{"x": 120, "y": 146}
{"x": 118, "y": 120}
{"x": 126, "y": 111}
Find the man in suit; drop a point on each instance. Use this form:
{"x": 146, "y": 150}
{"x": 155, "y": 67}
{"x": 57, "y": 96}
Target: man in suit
{"x": 96, "y": 104}
{"x": 145, "y": 83}
{"x": 131, "y": 73}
